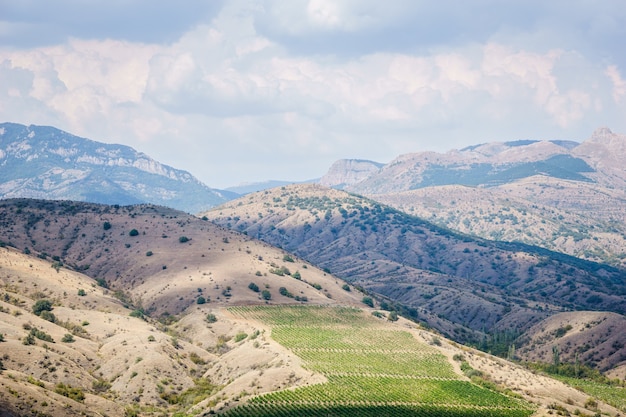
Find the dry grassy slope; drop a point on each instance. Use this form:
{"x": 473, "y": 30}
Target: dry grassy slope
{"x": 139, "y": 359}
{"x": 540, "y": 211}
{"x": 176, "y": 274}
{"x": 472, "y": 283}
{"x": 597, "y": 337}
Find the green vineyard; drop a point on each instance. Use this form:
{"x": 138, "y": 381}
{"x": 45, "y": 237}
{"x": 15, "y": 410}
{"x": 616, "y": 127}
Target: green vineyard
{"x": 370, "y": 370}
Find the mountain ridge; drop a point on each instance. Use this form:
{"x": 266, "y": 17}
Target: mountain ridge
{"x": 45, "y": 162}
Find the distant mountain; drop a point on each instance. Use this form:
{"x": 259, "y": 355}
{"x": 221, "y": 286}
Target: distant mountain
{"x": 262, "y": 185}
{"x": 562, "y": 195}
{"x": 347, "y": 172}
{"x": 45, "y": 162}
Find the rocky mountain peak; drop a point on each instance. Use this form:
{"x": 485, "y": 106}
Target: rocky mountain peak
{"x": 45, "y": 162}
{"x": 347, "y": 172}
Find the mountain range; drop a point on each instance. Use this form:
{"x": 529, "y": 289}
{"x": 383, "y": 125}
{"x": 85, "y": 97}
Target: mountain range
{"x": 45, "y": 162}
{"x": 562, "y": 195}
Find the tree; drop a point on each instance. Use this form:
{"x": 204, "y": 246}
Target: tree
{"x": 266, "y": 295}
{"x": 201, "y": 300}
{"x": 183, "y": 239}
{"x": 556, "y": 356}
{"x": 106, "y": 226}
{"x": 368, "y": 301}
{"x": 253, "y": 287}
{"x": 392, "y": 316}
{"x": 42, "y": 305}
{"x": 82, "y": 292}
{"x": 133, "y": 232}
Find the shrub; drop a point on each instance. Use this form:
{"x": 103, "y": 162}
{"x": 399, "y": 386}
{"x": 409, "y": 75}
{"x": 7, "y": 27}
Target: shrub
{"x": 67, "y": 338}
{"x": 287, "y": 258}
{"x": 297, "y": 275}
{"x": 133, "y": 232}
{"x": 285, "y": 292}
{"x": 149, "y": 253}
{"x": 201, "y": 300}
{"x": 174, "y": 341}
{"x": 100, "y": 385}
{"x": 211, "y": 318}
{"x": 1, "y": 337}
{"x": 151, "y": 338}
{"x": 106, "y": 225}
{"x": 195, "y": 358}
{"x": 345, "y": 287}
{"x": 240, "y": 336}
{"x": 42, "y": 305}
{"x": 183, "y": 239}
{"x": 82, "y": 292}
{"x": 392, "y": 316}
{"x": 46, "y": 315}
{"x": 368, "y": 301}
{"x": 41, "y": 335}
{"x": 29, "y": 339}
{"x": 75, "y": 394}
{"x": 137, "y": 313}
{"x": 266, "y": 295}
{"x": 253, "y": 287}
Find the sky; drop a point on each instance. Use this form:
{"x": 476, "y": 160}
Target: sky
{"x": 242, "y": 91}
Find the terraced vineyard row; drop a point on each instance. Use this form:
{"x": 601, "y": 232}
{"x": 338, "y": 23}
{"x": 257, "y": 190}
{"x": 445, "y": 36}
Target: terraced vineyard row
{"x": 371, "y": 370}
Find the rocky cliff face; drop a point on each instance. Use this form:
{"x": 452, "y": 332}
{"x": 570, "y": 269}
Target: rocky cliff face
{"x": 44, "y": 162}
{"x": 346, "y": 172}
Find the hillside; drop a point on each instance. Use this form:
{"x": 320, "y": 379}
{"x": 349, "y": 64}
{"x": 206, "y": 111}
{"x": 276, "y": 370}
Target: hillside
{"x": 528, "y": 211}
{"x": 119, "y": 365}
{"x": 129, "y": 249}
{"x": 93, "y": 350}
{"x": 460, "y": 285}
{"x": 45, "y": 162}
{"x": 587, "y": 337}
{"x": 561, "y": 195}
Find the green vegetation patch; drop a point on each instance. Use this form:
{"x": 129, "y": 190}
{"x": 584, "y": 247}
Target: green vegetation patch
{"x": 371, "y": 370}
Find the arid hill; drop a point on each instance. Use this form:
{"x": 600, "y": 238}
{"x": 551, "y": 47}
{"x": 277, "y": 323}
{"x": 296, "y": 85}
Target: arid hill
{"x": 131, "y": 250}
{"x": 97, "y": 358}
{"x": 586, "y": 337}
{"x": 529, "y": 211}
{"x": 461, "y": 285}
{"x": 70, "y": 346}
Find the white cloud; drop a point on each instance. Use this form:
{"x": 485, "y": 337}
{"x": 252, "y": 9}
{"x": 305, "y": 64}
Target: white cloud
{"x": 227, "y": 89}
{"x": 619, "y": 84}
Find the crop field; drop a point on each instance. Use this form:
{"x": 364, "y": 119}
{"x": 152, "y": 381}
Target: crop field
{"x": 372, "y": 370}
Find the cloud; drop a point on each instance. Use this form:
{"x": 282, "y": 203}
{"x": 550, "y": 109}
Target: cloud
{"x": 232, "y": 86}
{"x": 619, "y": 84}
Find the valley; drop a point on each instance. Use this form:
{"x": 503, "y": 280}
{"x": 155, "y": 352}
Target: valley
{"x": 151, "y": 314}
{"x": 267, "y": 304}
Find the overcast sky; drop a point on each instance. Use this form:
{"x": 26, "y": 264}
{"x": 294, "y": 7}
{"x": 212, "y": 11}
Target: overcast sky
{"x": 252, "y": 90}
